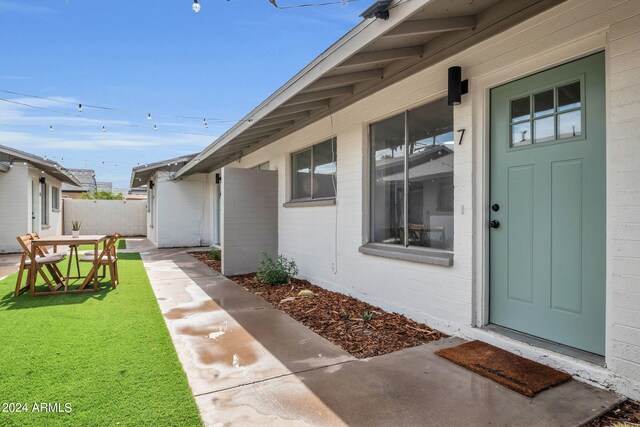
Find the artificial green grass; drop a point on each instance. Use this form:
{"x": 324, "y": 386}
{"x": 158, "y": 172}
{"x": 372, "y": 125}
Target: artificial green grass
{"x": 108, "y": 354}
{"x": 121, "y": 244}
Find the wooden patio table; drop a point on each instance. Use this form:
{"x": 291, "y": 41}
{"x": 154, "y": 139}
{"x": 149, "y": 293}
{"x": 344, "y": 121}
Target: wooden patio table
{"x": 68, "y": 240}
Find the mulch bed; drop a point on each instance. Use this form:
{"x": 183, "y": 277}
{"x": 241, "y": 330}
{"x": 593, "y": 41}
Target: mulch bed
{"x": 627, "y": 412}
{"x": 206, "y": 258}
{"x": 339, "y": 318}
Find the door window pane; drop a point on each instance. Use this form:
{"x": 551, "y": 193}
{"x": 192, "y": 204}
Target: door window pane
{"x": 544, "y": 129}
{"x": 520, "y": 109}
{"x": 324, "y": 169}
{"x": 569, "y": 96}
{"x": 543, "y": 103}
{"x": 570, "y": 124}
{"x": 521, "y": 134}
{"x": 430, "y": 204}
{"x": 301, "y": 165}
{"x": 388, "y": 156}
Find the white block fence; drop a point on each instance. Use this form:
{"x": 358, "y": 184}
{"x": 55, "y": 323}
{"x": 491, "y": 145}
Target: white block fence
{"x": 127, "y": 217}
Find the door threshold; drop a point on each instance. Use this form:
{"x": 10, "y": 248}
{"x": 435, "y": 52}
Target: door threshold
{"x": 585, "y": 356}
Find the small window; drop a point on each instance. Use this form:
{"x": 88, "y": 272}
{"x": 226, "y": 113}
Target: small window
{"x": 263, "y": 166}
{"x": 557, "y": 115}
{"x": 55, "y": 198}
{"x": 314, "y": 172}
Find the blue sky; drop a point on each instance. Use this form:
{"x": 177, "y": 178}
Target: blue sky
{"x": 140, "y": 57}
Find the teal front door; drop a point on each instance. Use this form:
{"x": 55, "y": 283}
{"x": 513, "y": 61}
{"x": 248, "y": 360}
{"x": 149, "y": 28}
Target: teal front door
{"x": 547, "y": 209}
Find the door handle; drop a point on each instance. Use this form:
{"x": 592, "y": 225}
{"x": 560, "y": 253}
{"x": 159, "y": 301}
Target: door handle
{"x": 494, "y": 223}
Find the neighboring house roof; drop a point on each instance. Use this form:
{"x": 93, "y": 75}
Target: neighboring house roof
{"x": 10, "y": 155}
{"x": 87, "y": 178}
{"x": 373, "y": 55}
{"x": 104, "y": 186}
{"x": 140, "y": 175}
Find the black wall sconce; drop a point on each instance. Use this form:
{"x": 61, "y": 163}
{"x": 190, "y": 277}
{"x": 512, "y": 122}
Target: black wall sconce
{"x": 457, "y": 87}
{"x": 151, "y": 185}
{"x": 218, "y": 178}
{"x": 41, "y": 180}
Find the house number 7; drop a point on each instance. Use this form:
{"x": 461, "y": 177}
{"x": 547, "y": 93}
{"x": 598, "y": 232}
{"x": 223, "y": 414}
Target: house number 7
{"x": 461, "y": 131}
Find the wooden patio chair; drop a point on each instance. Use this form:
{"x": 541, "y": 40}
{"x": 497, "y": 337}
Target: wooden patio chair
{"x": 108, "y": 257}
{"x": 49, "y": 261}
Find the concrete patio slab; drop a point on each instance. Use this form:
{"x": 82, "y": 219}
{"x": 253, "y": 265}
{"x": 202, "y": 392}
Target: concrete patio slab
{"x": 250, "y": 364}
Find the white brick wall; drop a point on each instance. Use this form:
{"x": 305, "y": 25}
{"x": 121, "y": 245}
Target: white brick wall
{"x": 250, "y": 218}
{"x": 184, "y": 210}
{"x": 324, "y": 241}
{"x": 15, "y": 215}
{"x": 127, "y": 217}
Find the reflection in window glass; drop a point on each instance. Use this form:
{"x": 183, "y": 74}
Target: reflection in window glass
{"x": 521, "y": 134}
{"x": 388, "y": 152}
{"x": 520, "y": 109}
{"x": 428, "y": 199}
{"x": 301, "y": 166}
{"x": 569, "y": 96}
{"x": 324, "y": 169}
{"x": 544, "y": 129}
{"x": 569, "y": 124}
{"x": 543, "y": 103}
{"x": 430, "y": 210}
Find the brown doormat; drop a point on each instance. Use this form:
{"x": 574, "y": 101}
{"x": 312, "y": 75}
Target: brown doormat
{"x": 522, "y": 375}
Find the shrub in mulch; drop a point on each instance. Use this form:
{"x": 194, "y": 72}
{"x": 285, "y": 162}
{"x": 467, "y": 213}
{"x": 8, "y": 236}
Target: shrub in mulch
{"x": 206, "y": 258}
{"x": 359, "y": 328}
{"x": 627, "y": 413}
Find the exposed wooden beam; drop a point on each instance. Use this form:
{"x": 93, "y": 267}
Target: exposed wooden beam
{"x": 368, "y": 58}
{"x": 281, "y": 119}
{"x": 321, "y": 94}
{"x": 261, "y": 129}
{"x": 307, "y": 106}
{"x": 345, "y": 79}
{"x": 429, "y": 26}
{"x": 264, "y": 134}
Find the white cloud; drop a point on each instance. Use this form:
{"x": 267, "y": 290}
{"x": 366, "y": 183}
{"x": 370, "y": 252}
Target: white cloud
{"x": 22, "y": 7}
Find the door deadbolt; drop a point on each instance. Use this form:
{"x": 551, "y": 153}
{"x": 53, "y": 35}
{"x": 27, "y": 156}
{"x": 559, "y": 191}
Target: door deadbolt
{"x": 495, "y": 207}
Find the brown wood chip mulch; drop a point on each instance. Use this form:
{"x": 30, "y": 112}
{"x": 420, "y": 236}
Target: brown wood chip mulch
{"x": 206, "y": 258}
{"x": 339, "y": 318}
{"x": 627, "y": 413}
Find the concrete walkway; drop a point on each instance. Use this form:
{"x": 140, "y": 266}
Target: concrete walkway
{"x": 250, "y": 364}
{"x": 9, "y": 264}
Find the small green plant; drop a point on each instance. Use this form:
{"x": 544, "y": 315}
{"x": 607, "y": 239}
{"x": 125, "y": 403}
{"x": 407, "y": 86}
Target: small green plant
{"x": 75, "y": 225}
{"x": 367, "y": 315}
{"x": 215, "y": 254}
{"x": 345, "y": 315}
{"x": 276, "y": 272}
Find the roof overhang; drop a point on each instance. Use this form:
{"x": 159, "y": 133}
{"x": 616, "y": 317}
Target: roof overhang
{"x": 373, "y": 55}
{"x": 10, "y": 155}
{"x": 140, "y": 175}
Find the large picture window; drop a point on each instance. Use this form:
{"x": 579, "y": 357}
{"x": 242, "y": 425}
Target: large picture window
{"x": 412, "y": 178}
{"x": 314, "y": 172}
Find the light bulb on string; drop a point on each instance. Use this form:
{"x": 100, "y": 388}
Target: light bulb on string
{"x": 155, "y": 127}
{"x": 204, "y": 123}
{"x": 104, "y": 129}
{"x": 50, "y": 128}
{"x": 79, "y": 108}
{"x": 196, "y": 6}
{"x": 149, "y": 116}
